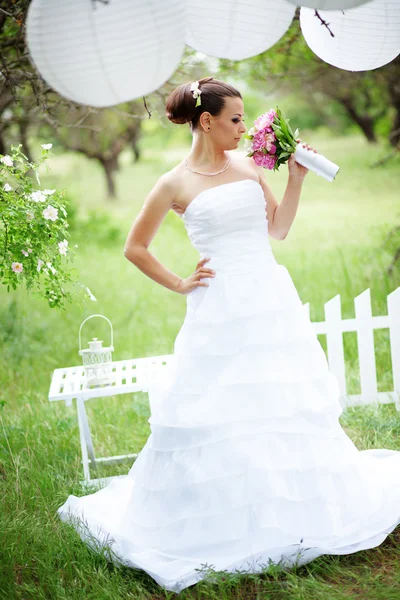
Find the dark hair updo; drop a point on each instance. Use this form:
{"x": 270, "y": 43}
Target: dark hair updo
{"x": 181, "y": 106}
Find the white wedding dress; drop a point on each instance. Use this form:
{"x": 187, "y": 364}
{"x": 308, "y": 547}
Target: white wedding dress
{"x": 246, "y": 463}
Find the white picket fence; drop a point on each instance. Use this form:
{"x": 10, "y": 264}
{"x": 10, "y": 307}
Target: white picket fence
{"x": 364, "y": 324}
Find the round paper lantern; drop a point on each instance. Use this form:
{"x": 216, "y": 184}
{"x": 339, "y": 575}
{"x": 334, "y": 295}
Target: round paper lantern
{"x": 329, "y": 4}
{"x": 365, "y": 38}
{"x": 236, "y": 30}
{"x": 102, "y": 53}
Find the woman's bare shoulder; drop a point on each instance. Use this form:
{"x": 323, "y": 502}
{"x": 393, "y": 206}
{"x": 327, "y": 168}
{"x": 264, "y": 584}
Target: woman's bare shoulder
{"x": 244, "y": 163}
{"x": 172, "y": 179}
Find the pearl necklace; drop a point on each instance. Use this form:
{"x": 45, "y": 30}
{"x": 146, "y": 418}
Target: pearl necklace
{"x": 209, "y": 174}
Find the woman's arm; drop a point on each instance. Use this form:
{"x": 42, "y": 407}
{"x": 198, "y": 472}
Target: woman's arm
{"x": 286, "y": 210}
{"x": 281, "y": 215}
{"x": 156, "y": 206}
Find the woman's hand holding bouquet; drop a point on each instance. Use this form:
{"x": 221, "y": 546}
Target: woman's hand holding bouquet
{"x": 271, "y": 143}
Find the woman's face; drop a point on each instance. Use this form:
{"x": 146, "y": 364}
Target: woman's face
{"x": 228, "y": 127}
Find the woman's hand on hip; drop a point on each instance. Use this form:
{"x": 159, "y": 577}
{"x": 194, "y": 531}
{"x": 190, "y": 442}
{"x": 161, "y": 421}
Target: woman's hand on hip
{"x": 195, "y": 280}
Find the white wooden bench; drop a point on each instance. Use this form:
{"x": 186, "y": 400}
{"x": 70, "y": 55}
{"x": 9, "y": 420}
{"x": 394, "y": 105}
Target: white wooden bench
{"x": 68, "y": 383}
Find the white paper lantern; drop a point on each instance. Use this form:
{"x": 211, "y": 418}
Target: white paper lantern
{"x": 101, "y": 54}
{"x": 365, "y": 38}
{"x": 329, "y": 4}
{"x": 236, "y": 29}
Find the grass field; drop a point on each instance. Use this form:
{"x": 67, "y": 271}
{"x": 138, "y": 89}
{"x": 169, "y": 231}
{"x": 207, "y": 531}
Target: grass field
{"x": 338, "y": 245}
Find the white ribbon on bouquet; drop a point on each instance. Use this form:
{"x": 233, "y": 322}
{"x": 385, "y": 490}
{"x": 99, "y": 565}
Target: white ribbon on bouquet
{"x": 317, "y": 163}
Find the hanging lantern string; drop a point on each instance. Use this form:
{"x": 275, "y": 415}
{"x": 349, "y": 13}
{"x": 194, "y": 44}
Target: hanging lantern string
{"x": 104, "y": 2}
{"x": 324, "y": 22}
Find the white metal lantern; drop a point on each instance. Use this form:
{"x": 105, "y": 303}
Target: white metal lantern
{"x": 365, "y": 38}
{"x": 96, "y": 359}
{"x": 329, "y": 4}
{"x": 104, "y": 52}
{"x": 236, "y": 30}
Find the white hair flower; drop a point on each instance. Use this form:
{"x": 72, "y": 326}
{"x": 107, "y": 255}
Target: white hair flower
{"x": 194, "y": 88}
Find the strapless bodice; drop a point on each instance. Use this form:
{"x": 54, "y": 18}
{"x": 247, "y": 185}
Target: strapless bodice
{"x": 228, "y": 223}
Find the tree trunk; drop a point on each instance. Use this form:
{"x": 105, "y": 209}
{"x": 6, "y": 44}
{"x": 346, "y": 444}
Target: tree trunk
{"x": 136, "y": 152}
{"x": 134, "y": 139}
{"x": 394, "y": 136}
{"x": 110, "y": 166}
{"x": 2, "y": 145}
{"x": 365, "y": 122}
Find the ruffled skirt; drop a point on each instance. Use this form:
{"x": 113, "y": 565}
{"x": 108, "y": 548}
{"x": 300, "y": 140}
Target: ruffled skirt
{"x": 246, "y": 463}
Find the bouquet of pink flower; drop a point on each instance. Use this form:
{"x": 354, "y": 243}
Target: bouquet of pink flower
{"x": 271, "y": 142}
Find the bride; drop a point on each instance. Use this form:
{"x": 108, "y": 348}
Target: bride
{"x": 246, "y": 464}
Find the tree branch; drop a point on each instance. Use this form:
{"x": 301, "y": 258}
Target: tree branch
{"x": 324, "y": 23}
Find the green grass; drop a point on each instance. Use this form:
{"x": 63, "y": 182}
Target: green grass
{"x": 337, "y": 245}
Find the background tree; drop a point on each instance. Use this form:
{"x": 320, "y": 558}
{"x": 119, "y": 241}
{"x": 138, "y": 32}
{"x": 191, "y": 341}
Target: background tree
{"x": 100, "y": 134}
{"x": 29, "y": 105}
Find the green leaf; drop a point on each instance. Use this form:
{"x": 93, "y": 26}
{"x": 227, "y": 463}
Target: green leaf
{"x": 279, "y": 134}
{"x": 284, "y": 128}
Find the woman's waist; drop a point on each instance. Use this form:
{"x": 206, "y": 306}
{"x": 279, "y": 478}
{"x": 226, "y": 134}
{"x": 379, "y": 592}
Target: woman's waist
{"x": 238, "y": 260}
